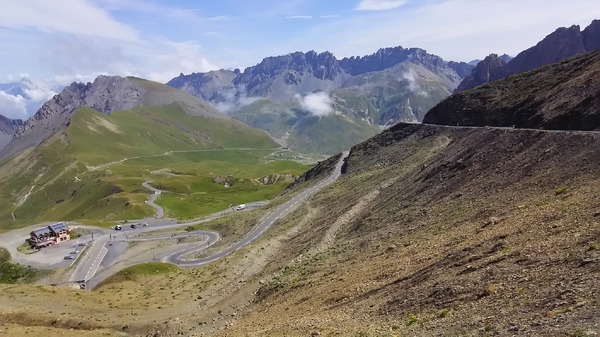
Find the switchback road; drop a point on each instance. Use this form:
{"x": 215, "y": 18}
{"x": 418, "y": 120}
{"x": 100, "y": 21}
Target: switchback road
{"x": 178, "y": 257}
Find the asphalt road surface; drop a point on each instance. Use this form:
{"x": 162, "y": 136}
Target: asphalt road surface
{"x": 160, "y": 213}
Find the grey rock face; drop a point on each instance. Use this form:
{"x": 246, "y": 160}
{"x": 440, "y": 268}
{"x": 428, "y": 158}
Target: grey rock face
{"x": 559, "y": 45}
{"x": 213, "y": 86}
{"x": 490, "y": 69}
{"x": 591, "y": 36}
{"x": 8, "y": 127}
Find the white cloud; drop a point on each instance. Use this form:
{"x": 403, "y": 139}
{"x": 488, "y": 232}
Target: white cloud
{"x": 12, "y": 106}
{"x": 413, "y": 85}
{"x": 319, "y": 103}
{"x": 232, "y": 102}
{"x": 78, "y": 17}
{"x": 177, "y": 57}
{"x": 379, "y": 5}
{"x": 35, "y": 92}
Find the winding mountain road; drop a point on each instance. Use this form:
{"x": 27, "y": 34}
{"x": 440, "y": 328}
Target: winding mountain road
{"x": 178, "y": 258}
{"x": 160, "y": 212}
{"x": 89, "y": 265}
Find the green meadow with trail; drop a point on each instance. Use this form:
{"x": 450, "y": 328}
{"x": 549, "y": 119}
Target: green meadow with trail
{"x": 92, "y": 172}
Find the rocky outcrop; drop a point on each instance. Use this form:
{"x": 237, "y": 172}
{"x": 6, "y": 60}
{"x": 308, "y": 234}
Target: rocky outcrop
{"x": 591, "y": 36}
{"x": 490, "y": 69}
{"x": 8, "y": 127}
{"x": 213, "y": 86}
{"x": 559, "y": 45}
{"x": 274, "y": 178}
{"x": 227, "y": 181}
{"x": 561, "y": 96}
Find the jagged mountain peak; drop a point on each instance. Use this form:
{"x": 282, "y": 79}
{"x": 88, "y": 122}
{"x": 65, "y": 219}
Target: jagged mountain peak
{"x": 591, "y": 36}
{"x": 489, "y": 69}
{"x": 564, "y": 42}
{"x": 320, "y": 65}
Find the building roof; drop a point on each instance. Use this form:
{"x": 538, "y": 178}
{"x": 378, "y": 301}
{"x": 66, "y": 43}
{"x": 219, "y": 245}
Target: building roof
{"x": 41, "y": 231}
{"x": 57, "y": 227}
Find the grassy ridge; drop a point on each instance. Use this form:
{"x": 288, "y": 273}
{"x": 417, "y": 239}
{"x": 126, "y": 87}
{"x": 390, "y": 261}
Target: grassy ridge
{"x": 93, "y": 172}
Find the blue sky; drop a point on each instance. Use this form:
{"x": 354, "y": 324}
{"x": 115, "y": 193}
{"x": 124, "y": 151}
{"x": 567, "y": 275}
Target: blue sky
{"x": 52, "y": 43}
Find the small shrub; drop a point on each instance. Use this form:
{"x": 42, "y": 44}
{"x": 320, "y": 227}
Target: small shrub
{"x": 560, "y": 190}
{"x": 443, "y": 313}
{"x": 412, "y": 319}
{"x": 580, "y": 332}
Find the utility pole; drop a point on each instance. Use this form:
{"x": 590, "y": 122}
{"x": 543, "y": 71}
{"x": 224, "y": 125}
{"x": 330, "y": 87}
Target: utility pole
{"x": 92, "y": 236}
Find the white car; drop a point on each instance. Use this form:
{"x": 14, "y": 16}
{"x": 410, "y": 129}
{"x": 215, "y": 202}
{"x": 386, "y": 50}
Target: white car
{"x": 240, "y": 207}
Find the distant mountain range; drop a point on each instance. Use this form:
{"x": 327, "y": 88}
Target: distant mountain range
{"x": 310, "y": 102}
{"x": 316, "y": 103}
{"x": 562, "y": 43}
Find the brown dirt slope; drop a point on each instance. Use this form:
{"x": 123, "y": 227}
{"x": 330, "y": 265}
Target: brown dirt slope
{"x": 561, "y": 96}
{"x": 466, "y": 231}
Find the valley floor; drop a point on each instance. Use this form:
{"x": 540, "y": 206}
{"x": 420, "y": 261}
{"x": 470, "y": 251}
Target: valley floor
{"x": 431, "y": 231}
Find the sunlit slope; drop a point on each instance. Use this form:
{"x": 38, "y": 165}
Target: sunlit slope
{"x": 93, "y": 171}
{"x": 150, "y": 131}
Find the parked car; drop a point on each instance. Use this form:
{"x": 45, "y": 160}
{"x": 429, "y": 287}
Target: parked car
{"x": 74, "y": 252}
{"x": 145, "y": 224}
{"x": 133, "y": 226}
{"x": 240, "y": 207}
{"x": 69, "y": 257}
{"x": 117, "y": 227}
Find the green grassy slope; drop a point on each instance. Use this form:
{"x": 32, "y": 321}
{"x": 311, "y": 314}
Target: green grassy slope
{"x": 93, "y": 172}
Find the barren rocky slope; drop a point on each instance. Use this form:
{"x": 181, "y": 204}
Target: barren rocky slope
{"x": 564, "y": 95}
{"x": 438, "y": 230}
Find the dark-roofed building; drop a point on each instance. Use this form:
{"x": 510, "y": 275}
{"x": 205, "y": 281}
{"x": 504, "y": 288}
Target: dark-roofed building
{"x": 46, "y": 236}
